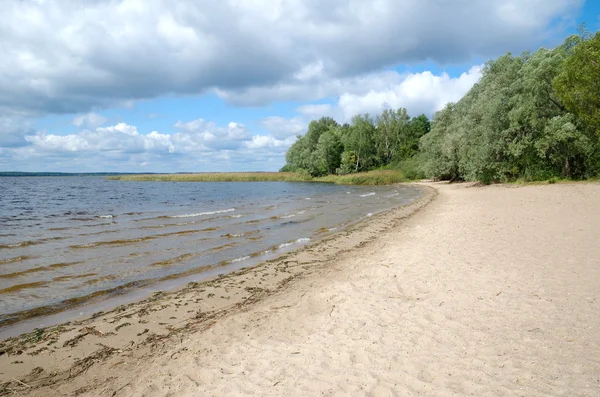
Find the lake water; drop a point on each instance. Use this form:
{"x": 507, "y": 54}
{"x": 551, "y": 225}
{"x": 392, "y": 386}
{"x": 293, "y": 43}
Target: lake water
{"x": 66, "y": 240}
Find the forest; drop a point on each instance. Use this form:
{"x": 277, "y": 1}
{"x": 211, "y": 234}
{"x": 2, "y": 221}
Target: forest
{"x": 535, "y": 116}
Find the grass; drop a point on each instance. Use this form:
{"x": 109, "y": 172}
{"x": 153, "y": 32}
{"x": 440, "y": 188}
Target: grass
{"x": 379, "y": 177}
{"x": 552, "y": 181}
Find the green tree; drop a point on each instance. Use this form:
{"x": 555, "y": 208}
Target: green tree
{"x": 565, "y": 147}
{"x": 298, "y": 155}
{"x": 360, "y": 139}
{"x": 328, "y": 152}
{"x": 348, "y": 162}
{"x": 578, "y": 83}
{"x": 392, "y": 133}
{"x": 316, "y": 128}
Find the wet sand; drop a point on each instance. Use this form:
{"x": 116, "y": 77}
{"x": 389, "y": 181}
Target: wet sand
{"x": 488, "y": 291}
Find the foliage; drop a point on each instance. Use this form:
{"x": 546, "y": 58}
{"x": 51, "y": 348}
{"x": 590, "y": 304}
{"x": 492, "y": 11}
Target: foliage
{"x": 531, "y": 117}
{"x": 513, "y": 125}
{"x": 365, "y": 144}
{"x": 578, "y": 82}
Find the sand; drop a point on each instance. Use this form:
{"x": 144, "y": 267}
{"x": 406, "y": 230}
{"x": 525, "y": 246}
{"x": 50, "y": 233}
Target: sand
{"x": 486, "y": 291}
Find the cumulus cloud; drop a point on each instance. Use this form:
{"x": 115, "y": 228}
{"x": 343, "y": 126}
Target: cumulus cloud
{"x": 420, "y": 93}
{"x": 283, "y": 128}
{"x": 197, "y": 144}
{"x": 69, "y": 57}
{"x": 120, "y": 138}
{"x": 267, "y": 141}
{"x": 65, "y": 57}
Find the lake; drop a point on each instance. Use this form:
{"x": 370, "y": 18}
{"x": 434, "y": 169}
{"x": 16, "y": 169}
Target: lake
{"x": 66, "y": 240}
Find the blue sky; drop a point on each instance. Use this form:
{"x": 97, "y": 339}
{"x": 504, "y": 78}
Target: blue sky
{"x": 142, "y": 86}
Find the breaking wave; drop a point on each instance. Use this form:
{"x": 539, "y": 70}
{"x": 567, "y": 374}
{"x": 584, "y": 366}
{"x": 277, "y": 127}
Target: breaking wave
{"x": 202, "y": 213}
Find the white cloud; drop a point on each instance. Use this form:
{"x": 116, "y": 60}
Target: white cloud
{"x": 120, "y": 138}
{"x": 212, "y": 136}
{"x": 418, "y": 92}
{"x": 199, "y": 145}
{"x": 282, "y": 128}
{"x": 69, "y": 57}
{"x": 64, "y": 56}
{"x": 90, "y": 120}
{"x": 267, "y": 141}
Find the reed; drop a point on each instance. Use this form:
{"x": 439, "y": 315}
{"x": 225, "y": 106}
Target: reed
{"x": 380, "y": 177}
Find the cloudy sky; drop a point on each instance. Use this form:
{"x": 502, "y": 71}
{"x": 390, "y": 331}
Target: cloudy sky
{"x": 202, "y": 85}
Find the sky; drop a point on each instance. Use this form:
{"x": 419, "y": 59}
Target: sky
{"x": 205, "y": 86}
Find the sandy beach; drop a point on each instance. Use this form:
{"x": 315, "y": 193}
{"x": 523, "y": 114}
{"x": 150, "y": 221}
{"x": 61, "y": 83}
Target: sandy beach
{"x": 485, "y": 291}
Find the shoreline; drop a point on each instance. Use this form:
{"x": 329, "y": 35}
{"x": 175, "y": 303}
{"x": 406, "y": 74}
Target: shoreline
{"x": 46, "y": 355}
{"x": 106, "y": 252}
{"x": 484, "y": 291}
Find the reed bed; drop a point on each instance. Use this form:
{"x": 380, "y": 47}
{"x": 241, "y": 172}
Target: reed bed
{"x": 382, "y": 177}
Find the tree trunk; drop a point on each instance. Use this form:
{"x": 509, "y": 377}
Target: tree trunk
{"x": 567, "y": 170}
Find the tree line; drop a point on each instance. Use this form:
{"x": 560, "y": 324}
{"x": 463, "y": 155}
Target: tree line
{"x": 534, "y": 116}
{"x": 366, "y": 143}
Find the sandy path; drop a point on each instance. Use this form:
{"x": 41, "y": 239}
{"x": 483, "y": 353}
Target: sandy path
{"x": 489, "y": 291}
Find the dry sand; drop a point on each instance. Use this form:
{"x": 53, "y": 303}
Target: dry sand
{"x": 487, "y": 291}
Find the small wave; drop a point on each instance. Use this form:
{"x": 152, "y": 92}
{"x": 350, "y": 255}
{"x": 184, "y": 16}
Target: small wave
{"x": 202, "y": 213}
{"x": 185, "y": 232}
{"x": 19, "y": 245}
{"x": 37, "y": 269}
{"x": 114, "y": 242}
{"x": 367, "y": 194}
{"x": 299, "y": 241}
{"x": 15, "y": 259}
{"x": 370, "y": 214}
{"x": 105, "y": 216}
{"x": 172, "y": 261}
{"x": 243, "y": 258}
{"x": 235, "y": 235}
{"x": 75, "y": 277}
{"x": 235, "y": 216}
{"x": 292, "y": 215}
{"x": 20, "y": 287}
{"x": 168, "y": 225}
